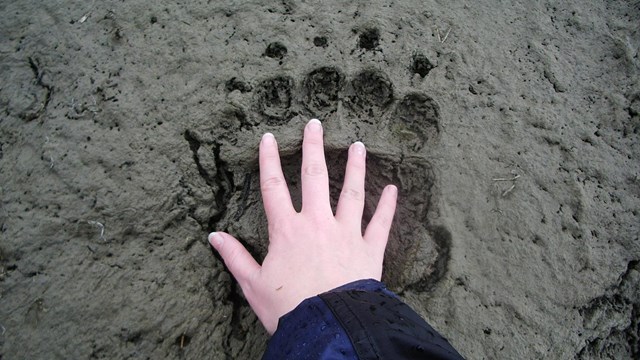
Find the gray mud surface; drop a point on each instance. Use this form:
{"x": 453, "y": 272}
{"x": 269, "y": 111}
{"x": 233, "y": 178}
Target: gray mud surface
{"x": 129, "y": 130}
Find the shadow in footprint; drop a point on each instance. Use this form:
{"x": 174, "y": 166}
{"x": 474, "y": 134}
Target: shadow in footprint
{"x": 275, "y": 50}
{"x": 415, "y": 121}
{"x": 369, "y": 39}
{"x": 322, "y": 89}
{"x": 416, "y": 255}
{"x": 320, "y": 41}
{"x": 274, "y": 98}
{"x": 421, "y": 65}
{"x": 371, "y": 93}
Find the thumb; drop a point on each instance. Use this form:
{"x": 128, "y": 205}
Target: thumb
{"x": 240, "y": 263}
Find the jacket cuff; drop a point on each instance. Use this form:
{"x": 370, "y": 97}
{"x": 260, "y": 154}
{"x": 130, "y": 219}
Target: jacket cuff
{"x": 364, "y": 285}
{"x": 311, "y": 331}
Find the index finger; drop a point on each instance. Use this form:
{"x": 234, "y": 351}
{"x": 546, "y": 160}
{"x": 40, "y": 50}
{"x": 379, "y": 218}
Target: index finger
{"x": 275, "y": 193}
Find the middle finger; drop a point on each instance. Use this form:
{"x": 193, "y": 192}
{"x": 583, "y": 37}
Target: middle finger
{"x": 314, "y": 177}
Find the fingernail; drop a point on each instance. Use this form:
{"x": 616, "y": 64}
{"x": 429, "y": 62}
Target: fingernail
{"x": 315, "y": 125}
{"x": 268, "y": 138}
{"x": 215, "y": 239}
{"x": 393, "y": 190}
{"x": 359, "y": 148}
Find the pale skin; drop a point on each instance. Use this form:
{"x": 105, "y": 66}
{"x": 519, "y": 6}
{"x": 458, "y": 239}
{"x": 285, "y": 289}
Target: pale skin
{"x": 311, "y": 251}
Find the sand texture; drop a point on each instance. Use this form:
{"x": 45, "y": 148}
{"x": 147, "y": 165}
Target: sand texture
{"x": 129, "y": 130}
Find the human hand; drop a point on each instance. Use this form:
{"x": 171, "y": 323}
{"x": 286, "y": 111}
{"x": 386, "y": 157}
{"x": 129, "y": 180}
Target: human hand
{"x": 311, "y": 251}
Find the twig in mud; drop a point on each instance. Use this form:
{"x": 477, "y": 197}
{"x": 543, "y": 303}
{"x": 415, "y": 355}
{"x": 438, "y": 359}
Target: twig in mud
{"x": 507, "y": 179}
{"x": 87, "y": 14}
{"x": 446, "y": 35}
{"x": 441, "y": 39}
{"x": 84, "y": 18}
{"x": 99, "y": 225}
{"x": 513, "y": 186}
{"x": 509, "y": 190}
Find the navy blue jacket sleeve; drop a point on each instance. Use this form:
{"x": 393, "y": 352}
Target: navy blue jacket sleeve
{"x": 361, "y": 320}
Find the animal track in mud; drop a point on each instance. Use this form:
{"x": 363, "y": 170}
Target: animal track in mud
{"x": 418, "y": 252}
{"x": 275, "y": 50}
{"x": 275, "y": 97}
{"x": 412, "y": 241}
{"x": 421, "y": 65}
{"x": 320, "y": 41}
{"x": 416, "y": 119}
{"x": 322, "y": 89}
{"x": 369, "y": 39}
{"x": 366, "y": 97}
{"x": 372, "y": 92}
{"x": 236, "y": 84}
{"x": 363, "y": 104}
{"x": 30, "y": 97}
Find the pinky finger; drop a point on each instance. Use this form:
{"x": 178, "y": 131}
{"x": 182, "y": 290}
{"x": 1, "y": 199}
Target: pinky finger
{"x": 377, "y": 232}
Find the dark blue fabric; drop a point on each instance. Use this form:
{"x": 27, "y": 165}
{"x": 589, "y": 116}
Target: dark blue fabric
{"x": 360, "y": 320}
{"x": 381, "y": 326}
{"x": 311, "y": 331}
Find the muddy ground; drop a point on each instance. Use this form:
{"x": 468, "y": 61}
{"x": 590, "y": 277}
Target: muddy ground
{"x": 129, "y": 130}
